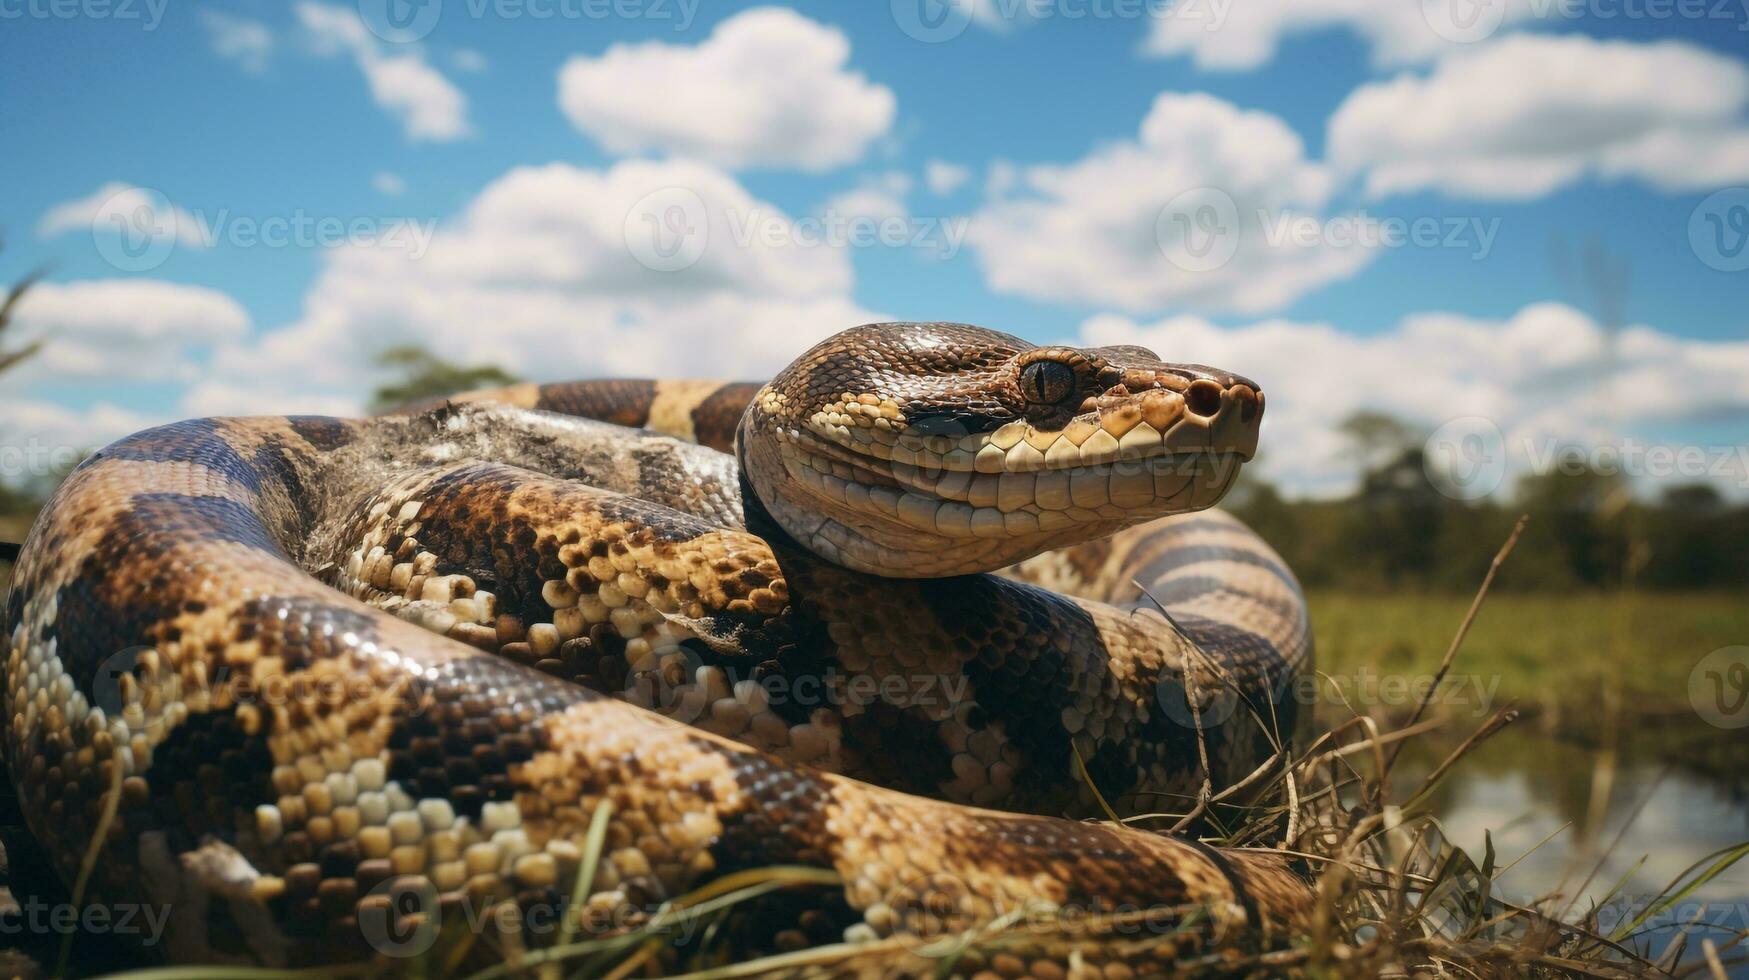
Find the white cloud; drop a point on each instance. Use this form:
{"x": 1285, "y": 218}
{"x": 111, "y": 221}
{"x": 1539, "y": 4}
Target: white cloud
{"x": 425, "y": 102}
{"x": 140, "y": 329}
{"x": 1110, "y": 229}
{"x": 876, "y": 198}
{"x": 541, "y": 274}
{"x": 44, "y": 438}
{"x": 769, "y": 87}
{"x": 468, "y": 60}
{"x": 867, "y": 204}
{"x": 247, "y": 42}
{"x": 1528, "y": 114}
{"x": 1239, "y": 35}
{"x": 944, "y": 178}
{"x": 1541, "y": 376}
{"x": 117, "y": 207}
{"x": 388, "y": 183}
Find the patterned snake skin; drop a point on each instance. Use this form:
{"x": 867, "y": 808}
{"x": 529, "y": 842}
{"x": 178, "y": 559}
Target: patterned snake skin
{"x": 356, "y": 678}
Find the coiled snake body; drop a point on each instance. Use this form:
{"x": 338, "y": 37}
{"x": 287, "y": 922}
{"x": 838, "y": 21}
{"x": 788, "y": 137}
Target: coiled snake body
{"x": 349, "y": 676}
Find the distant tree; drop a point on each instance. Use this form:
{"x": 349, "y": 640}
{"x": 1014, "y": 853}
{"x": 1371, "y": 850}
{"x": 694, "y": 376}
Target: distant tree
{"x": 10, "y": 359}
{"x": 425, "y": 375}
{"x": 1378, "y": 437}
{"x": 1581, "y": 522}
{"x": 1693, "y": 498}
{"x": 16, "y": 500}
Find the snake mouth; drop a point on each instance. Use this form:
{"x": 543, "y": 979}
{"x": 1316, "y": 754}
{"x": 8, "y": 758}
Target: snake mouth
{"x": 1142, "y": 456}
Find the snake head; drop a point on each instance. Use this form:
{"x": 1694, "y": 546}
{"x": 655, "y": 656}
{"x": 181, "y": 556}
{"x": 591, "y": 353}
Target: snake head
{"x": 930, "y": 449}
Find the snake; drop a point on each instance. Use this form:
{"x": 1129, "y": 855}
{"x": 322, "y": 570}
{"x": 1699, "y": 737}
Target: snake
{"x": 910, "y": 616}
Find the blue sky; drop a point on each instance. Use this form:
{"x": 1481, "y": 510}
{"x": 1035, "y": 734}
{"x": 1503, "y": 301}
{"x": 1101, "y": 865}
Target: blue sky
{"x": 1612, "y": 125}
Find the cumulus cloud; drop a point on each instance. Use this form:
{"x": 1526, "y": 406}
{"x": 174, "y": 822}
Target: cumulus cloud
{"x": 240, "y": 39}
{"x": 1541, "y": 376}
{"x": 403, "y": 85}
{"x": 388, "y": 183}
{"x": 944, "y": 178}
{"x": 1528, "y": 114}
{"x": 869, "y": 204}
{"x": 40, "y": 440}
{"x": 1239, "y": 35}
{"x": 141, "y": 329}
{"x": 554, "y": 272}
{"x": 122, "y": 208}
{"x": 769, "y": 87}
{"x": 1183, "y": 215}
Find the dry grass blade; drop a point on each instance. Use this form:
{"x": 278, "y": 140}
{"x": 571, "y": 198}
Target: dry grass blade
{"x": 1457, "y": 640}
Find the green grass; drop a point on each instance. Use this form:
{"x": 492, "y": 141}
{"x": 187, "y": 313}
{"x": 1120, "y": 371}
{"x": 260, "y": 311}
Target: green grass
{"x": 1582, "y": 666}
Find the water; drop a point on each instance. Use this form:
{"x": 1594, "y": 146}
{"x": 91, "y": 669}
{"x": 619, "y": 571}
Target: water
{"x": 1524, "y": 786}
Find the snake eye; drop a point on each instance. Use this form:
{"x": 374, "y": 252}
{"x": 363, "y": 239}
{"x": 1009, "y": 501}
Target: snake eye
{"x": 1047, "y": 382}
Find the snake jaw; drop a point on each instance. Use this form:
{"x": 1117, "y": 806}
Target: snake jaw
{"x": 952, "y": 473}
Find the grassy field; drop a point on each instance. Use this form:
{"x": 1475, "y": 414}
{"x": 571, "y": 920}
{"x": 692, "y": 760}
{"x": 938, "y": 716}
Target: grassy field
{"x": 1581, "y": 666}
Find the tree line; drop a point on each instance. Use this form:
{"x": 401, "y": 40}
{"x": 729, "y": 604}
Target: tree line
{"x": 1588, "y": 529}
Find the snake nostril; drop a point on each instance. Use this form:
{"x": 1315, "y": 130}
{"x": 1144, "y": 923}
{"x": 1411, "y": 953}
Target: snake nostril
{"x": 1203, "y": 397}
{"x": 1250, "y": 402}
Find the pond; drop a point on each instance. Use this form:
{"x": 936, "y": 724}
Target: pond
{"x": 1524, "y": 787}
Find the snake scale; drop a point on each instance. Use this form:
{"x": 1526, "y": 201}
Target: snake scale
{"x": 327, "y": 684}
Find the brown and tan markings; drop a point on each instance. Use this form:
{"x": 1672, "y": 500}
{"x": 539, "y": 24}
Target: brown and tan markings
{"x": 335, "y": 665}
